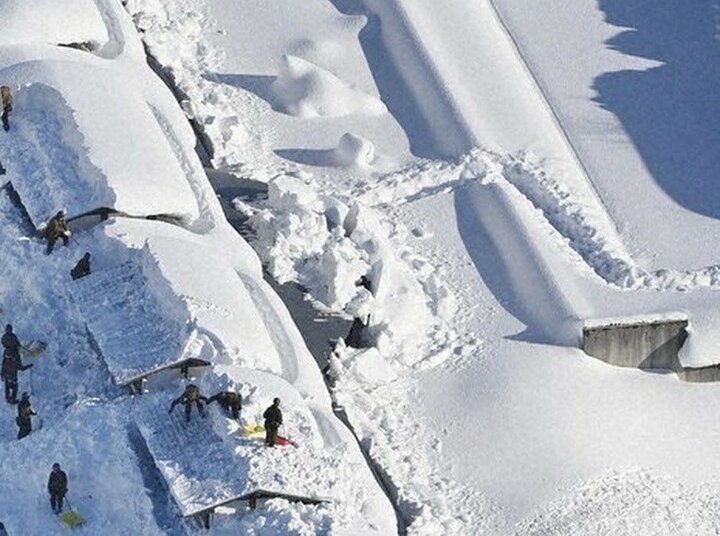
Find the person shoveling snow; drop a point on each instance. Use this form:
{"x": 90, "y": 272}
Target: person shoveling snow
{"x": 7, "y": 103}
{"x": 82, "y": 268}
{"x": 273, "y": 420}
{"x": 11, "y": 365}
{"x": 25, "y": 414}
{"x": 190, "y": 395}
{"x": 57, "y": 228}
{"x": 229, "y": 401}
{"x": 57, "y": 487}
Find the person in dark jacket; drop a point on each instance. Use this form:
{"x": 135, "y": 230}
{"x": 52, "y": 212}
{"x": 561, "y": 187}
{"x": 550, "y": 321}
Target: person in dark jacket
{"x": 57, "y": 487}
{"x": 356, "y": 337}
{"x": 25, "y": 412}
{"x": 10, "y": 342}
{"x": 82, "y": 268}
{"x": 273, "y": 420}
{"x": 190, "y": 395}
{"x": 229, "y": 401}
{"x": 7, "y": 104}
{"x": 11, "y": 364}
{"x": 56, "y": 228}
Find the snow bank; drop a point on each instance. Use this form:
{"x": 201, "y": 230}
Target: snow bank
{"x": 51, "y": 22}
{"x": 307, "y": 90}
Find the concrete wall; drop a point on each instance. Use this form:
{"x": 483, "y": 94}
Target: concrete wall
{"x": 646, "y": 345}
{"x": 701, "y": 374}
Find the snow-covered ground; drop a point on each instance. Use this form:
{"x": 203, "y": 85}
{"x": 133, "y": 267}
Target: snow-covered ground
{"x": 640, "y": 84}
{"x": 437, "y": 173}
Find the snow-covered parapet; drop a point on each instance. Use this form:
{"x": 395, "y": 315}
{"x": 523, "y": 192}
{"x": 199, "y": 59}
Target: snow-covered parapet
{"x": 307, "y": 90}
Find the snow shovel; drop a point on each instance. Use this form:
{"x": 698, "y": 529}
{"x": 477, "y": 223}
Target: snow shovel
{"x": 253, "y": 431}
{"x": 71, "y": 518}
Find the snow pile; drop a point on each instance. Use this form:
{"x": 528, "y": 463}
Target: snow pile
{"x": 51, "y": 22}
{"x": 343, "y": 253}
{"x": 307, "y": 90}
{"x": 354, "y": 151}
{"x": 637, "y": 503}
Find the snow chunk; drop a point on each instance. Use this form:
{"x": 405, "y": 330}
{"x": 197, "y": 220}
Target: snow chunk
{"x": 307, "y": 90}
{"x": 354, "y": 151}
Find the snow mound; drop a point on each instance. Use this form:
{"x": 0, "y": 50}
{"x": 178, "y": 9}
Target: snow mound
{"x": 354, "y": 151}
{"x": 306, "y": 90}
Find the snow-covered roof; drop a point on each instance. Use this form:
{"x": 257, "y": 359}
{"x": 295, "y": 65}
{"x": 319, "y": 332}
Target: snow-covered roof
{"x": 137, "y": 330}
{"x": 168, "y": 297}
{"x": 82, "y": 138}
{"x": 203, "y": 471}
{"x": 51, "y": 22}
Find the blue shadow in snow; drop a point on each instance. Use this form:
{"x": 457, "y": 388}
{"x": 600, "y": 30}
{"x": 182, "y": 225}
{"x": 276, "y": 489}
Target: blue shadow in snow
{"x": 671, "y": 112}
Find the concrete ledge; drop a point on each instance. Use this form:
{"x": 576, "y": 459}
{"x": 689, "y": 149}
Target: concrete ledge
{"x": 700, "y": 374}
{"x": 647, "y": 344}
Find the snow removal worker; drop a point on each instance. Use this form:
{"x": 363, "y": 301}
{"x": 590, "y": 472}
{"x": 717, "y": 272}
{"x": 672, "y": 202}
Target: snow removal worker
{"x": 56, "y": 228}
{"x": 10, "y": 342}
{"x": 7, "y": 102}
{"x": 82, "y": 268}
{"x": 273, "y": 420}
{"x": 57, "y": 487}
{"x": 11, "y": 365}
{"x": 25, "y": 412}
{"x": 190, "y": 395}
{"x": 229, "y": 401}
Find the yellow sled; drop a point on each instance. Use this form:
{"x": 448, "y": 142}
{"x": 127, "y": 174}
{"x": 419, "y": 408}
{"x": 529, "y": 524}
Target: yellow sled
{"x": 254, "y": 430}
{"x": 72, "y": 519}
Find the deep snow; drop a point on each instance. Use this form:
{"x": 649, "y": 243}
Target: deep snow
{"x": 474, "y": 401}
